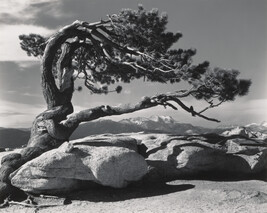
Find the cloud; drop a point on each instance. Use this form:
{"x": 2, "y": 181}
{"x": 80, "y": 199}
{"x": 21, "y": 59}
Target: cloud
{"x": 55, "y": 13}
{"x": 32, "y": 94}
{"x": 17, "y": 11}
{"x": 14, "y": 114}
{"x": 9, "y": 41}
{"x": 10, "y": 113}
{"x": 25, "y": 65}
{"x": 20, "y": 82}
{"x": 47, "y": 13}
{"x": 10, "y": 91}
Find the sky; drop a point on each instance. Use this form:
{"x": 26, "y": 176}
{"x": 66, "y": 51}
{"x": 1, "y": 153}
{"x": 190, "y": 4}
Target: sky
{"x": 231, "y": 34}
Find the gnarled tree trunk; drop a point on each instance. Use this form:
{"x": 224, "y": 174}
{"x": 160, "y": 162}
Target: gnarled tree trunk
{"x": 47, "y": 132}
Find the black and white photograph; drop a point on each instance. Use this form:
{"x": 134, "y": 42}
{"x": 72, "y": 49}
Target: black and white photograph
{"x": 133, "y": 106}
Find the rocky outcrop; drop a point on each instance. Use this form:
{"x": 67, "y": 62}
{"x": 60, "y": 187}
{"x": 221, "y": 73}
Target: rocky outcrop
{"x": 253, "y": 131}
{"x": 238, "y": 131}
{"x": 204, "y": 156}
{"x": 109, "y": 161}
{"x": 115, "y": 160}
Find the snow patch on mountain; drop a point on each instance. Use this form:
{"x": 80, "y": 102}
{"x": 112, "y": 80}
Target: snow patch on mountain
{"x": 264, "y": 124}
{"x": 253, "y": 130}
{"x": 162, "y": 118}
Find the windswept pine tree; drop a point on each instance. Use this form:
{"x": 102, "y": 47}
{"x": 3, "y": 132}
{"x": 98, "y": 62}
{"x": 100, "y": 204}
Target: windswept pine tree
{"x": 130, "y": 45}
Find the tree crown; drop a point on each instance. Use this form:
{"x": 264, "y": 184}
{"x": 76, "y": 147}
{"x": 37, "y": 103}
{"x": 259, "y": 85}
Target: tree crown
{"x": 135, "y": 44}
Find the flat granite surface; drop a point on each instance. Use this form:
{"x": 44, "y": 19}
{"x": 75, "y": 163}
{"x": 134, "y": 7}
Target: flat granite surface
{"x": 192, "y": 196}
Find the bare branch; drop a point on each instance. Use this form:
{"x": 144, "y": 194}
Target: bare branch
{"x": 146, "y": 102}
{"x": 95, "y": 24}
{"x": 192, "y": 111}
{"x": 211, "y": 106}
{"x": 33, "y": 205}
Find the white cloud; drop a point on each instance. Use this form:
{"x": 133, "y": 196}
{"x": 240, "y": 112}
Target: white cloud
{"x": 26, "y": 64}
{"x": 18, "y": 115}
{"x": 31, "y": 94}
{"x": 9, "y": 41}
{"x": 10, "y": 91}
{"x": 19, "y": 9}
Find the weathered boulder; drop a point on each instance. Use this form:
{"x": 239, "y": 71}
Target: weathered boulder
{"x": 250, "y": 131}
{"x": 242, "y": 131}
{"x": 108, "y": 161}
{"x": 113, "y": 160}
{"x": 172, "y": 156}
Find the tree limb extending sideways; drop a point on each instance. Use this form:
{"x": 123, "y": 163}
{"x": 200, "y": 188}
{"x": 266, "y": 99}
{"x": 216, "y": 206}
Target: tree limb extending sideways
{"x": 146, "y": 102}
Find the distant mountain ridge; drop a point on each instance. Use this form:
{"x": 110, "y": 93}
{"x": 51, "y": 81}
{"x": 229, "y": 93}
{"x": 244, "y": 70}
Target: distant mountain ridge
{"x": 164, "y": 124}
{"x": 13, "y": 138}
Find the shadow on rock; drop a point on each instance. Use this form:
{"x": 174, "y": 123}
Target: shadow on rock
{"x": 106, "y": 194}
